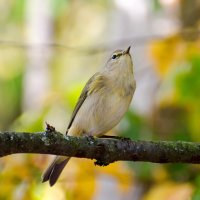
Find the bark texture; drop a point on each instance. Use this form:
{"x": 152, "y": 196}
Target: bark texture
{"x": 104, "y": 150}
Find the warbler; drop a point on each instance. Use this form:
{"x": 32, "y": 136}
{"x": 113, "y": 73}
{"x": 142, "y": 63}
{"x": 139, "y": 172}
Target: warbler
{"x": 102, "y": 104}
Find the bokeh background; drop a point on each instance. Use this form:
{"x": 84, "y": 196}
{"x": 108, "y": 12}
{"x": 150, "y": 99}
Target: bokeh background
{"x": 50, "y": 48}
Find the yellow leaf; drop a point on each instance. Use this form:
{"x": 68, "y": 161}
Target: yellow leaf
{"x": 170, "y": 51}
{"x": 170, "y": 191}
{"x": 123, "y": 175}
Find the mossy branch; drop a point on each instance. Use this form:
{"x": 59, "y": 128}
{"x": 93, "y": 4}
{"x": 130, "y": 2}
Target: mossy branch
{"x": 104, "y": 150}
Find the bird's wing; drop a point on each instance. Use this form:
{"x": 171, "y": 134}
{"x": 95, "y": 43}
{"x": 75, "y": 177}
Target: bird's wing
{"x": 94, "y": 84}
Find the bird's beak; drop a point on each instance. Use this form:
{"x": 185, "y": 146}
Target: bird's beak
{"x": 127, "y": 50}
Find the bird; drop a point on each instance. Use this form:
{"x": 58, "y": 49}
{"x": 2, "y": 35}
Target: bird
{"x": 103, "y": 102}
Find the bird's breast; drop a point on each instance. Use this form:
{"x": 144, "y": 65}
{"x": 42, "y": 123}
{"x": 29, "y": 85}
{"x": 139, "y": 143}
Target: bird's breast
{"x": 109, "y": 108}
{"x": 103, "y": 110}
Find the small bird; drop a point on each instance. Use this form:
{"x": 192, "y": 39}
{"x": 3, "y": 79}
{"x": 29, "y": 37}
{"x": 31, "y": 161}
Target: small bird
{"x": 102, "y": 104}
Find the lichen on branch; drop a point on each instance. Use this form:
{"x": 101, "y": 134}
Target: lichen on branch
{"x": 104, "y": 150}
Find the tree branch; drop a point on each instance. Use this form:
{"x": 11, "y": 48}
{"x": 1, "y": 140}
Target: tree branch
{"x": 105, "y": 151}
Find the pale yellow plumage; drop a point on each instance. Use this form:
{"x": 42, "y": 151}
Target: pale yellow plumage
{"x": 103, "y": 102}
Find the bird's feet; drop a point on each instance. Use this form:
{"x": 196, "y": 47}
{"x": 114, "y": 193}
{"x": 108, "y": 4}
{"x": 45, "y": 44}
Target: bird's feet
{"x": 114, "y": 137}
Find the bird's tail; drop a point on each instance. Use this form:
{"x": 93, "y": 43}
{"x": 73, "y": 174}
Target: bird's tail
{"x": 54, "y": 170}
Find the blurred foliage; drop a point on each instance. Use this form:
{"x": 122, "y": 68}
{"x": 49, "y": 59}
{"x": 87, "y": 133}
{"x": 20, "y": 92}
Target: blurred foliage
{"x": 10, "y": 86}
{"x": 177, "y": 109}
{"x": 175, "y": 115}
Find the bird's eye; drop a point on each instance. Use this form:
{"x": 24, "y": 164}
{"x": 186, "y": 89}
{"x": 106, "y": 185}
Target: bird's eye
{"x": 114, "y": 56}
